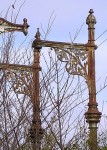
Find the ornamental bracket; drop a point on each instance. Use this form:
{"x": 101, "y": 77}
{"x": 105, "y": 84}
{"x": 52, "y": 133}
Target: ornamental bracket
{"x": 6, "y": 26}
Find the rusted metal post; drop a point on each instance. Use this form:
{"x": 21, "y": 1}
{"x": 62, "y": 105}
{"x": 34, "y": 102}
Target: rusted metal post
{"x": 83, "y": 64}
{"x": 92, "y": 115}
{"x": 36, "y": 131}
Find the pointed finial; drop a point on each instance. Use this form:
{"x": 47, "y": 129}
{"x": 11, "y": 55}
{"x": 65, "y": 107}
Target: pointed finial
{"x": 37, "y": 42}
{"x": 37, "y": 36}
{"x": 24, "y": 21}
{"x": 91, "y": 11}
{"x": 25, "y": 24}
{"x": 91, "y": 20}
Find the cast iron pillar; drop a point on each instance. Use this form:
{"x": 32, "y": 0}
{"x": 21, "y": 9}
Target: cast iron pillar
{"x": 79, "y": 60}
{"x": 36, "y": 131}
{"x": 92, "y": 115}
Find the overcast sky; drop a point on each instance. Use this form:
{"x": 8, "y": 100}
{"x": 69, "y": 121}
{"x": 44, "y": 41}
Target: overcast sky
{"x": 69, "y": 16}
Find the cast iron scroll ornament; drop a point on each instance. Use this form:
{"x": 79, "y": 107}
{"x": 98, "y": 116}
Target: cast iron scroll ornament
{"x": 75, "y": 59}
{"x": 19, "y": 76}
{"x": 21, "y": 81}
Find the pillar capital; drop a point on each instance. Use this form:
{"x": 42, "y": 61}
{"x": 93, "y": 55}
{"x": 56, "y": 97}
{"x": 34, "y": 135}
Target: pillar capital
{"x": 37, "y": 45}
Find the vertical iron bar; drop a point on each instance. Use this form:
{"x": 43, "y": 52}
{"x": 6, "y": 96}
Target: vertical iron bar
{"x": 92, "y": 115}
{"x": 36, "y": 130}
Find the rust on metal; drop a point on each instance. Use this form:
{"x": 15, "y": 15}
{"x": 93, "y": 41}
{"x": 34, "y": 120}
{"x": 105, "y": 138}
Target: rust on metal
{"x": 92, "y": 115}
{"x": 79, "y": 60}
{"x": 64, "y": 45}
{"x": 6, "y": 26}
{"x": 36, "y": 131}
{"x": 7, "y": 66}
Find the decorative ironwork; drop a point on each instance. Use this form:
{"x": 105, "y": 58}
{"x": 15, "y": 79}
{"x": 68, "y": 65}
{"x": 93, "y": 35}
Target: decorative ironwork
{"x": 20, "y": 76}
{"x": 79, "y": 59}
{"x": 76, "y": 60}
{"x": 21, "y": 81}
{"x": 6, "y": 26}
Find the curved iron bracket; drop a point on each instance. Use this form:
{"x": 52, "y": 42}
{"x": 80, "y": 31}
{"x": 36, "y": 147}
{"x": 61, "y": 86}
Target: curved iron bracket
{"x": 76, "y": 60}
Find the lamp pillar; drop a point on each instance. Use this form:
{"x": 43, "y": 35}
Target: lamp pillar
{"x": 36, "y": 131}
{"x": 92, "y": 115}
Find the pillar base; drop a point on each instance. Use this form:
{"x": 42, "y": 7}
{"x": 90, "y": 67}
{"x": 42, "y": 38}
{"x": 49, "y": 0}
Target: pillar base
{"x": 33, "y": 133}
{"x": 93, "y": 116}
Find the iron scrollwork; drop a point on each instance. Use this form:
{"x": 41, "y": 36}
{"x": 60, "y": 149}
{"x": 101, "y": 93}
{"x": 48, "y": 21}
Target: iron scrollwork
{"x": 75, "y": 59}
{"x": 21, "y": 81}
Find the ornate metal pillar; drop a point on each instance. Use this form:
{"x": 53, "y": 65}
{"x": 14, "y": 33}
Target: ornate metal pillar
{"x": 36, "y": 131}
{"x": 80, "y": 60}
{"x": 92, "y": 115}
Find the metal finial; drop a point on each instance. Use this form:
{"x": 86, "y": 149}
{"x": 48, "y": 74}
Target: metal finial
{"x": 37, "y": 34}
{"x": 91, "y": 20}
{"x": 37, "y": 42}
{"x": 25, "y": 24}
{"x": 91, "y": 11}
{"x": 24, "y": 21}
